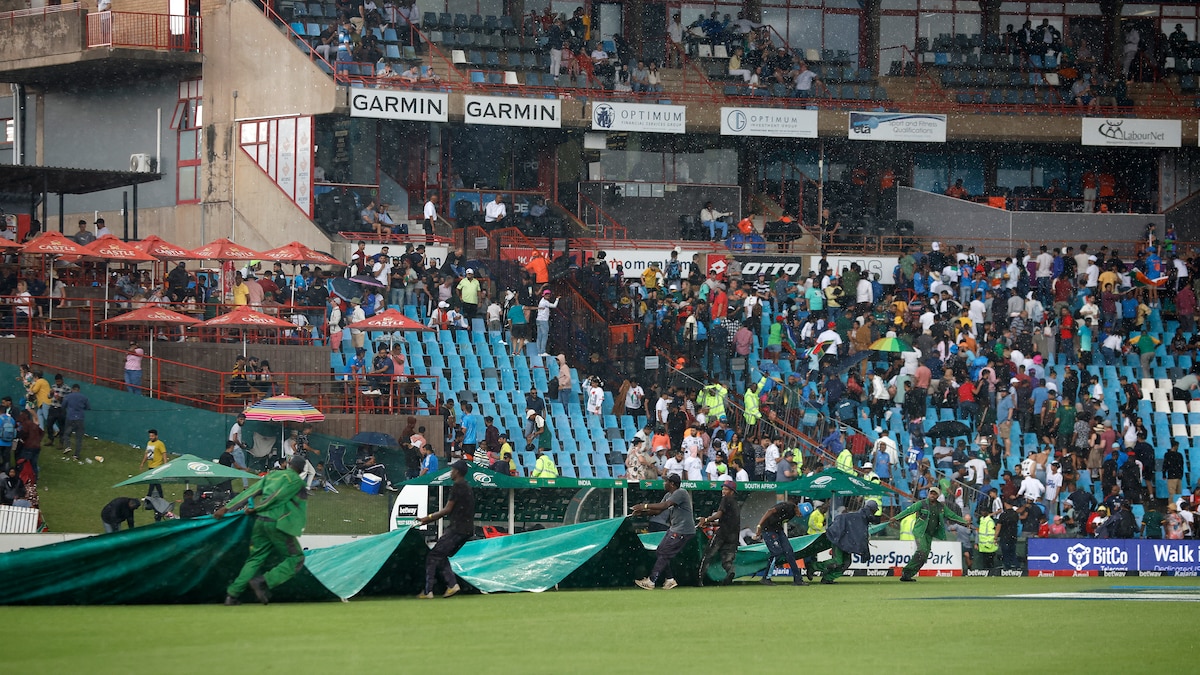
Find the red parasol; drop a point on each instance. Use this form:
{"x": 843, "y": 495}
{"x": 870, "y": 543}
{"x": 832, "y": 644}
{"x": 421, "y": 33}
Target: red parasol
{"x": 110, "y": 247}
{"x": 152, "y": 316}
{"x": 299, "y": 254}
{"x": 52, "y": 243}
{"x": 223, "y": 249}
{"x": 163, "y": 249}
{"x": 388, "y": 320}
{"x": 242, "y": 318}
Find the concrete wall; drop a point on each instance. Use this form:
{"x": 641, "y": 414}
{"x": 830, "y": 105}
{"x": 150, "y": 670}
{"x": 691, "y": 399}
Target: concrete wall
{"x": 962, "y": 222}
{"x": 38, "y": 37}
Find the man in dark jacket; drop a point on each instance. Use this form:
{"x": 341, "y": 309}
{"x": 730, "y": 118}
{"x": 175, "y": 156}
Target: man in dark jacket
{"x": 724, "y": 543}
{"x": 1172, "y": 469}
{"x": 850, "y": 533}
{"x": 119, "y": 510}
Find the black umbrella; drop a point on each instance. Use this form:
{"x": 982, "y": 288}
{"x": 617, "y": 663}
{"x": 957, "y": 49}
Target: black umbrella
{"x": 367, "y": 280}
{"x": 375, "y": 438}
{"x": 345, "y": 289}
{"x": 949, "y": 429}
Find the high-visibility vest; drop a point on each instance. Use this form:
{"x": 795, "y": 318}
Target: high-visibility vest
{"x": 716, "y": 402}
{"x": 845, "y": 461}
{"x": 545, "y": 467}
{"x": 987, "y": 535}
{"x": 906, "y": 527}
{"x": 751, "y": 402}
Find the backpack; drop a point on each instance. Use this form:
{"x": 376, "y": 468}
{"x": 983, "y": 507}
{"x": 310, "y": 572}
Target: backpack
{"x": 8, "y": 428}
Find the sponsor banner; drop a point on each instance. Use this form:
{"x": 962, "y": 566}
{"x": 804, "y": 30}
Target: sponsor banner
{"x": 882, "y": 265}
{"x": 412, "y": 503}
{"x": 630, "y": 263}
{"x": 911, "y": 127}
{"x": 945, "y": 556}
{"x": 1132, "y": 133}
{"x": 771, "y": 266}
{"x": 1115, "y": 555}
{"x": 417, "y": 106}
{"x": 661, "y": 119}
{"x": 513, "y": 112}
{"x": 771, "y": 122}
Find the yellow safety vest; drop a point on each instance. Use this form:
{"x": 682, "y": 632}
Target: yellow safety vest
{"x": 751, "y": 402}
{"x": 545, "y": 468}
{"x": 716, "y": 403}
{"x": 906, "y": 527}
{"x": 845, "y": 461}
{"x": 816, "y": 522}
{"x": 987, "y": 535}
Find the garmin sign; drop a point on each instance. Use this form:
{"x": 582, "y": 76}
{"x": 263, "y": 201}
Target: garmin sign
{"x": 1132, "y": 133}
{"x": 770, "y": 122}
{"x": 399, "y": 105}
{"x": 513, "y": 112}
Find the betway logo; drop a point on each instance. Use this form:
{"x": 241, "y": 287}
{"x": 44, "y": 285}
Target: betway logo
{"x": 1174, "y": 554}
{"x": 1011, "y": 573}
{"x": 979, "y": 573}
{"x": 877, "y": 573}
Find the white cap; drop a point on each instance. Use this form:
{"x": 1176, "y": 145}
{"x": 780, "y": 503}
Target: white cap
{"x": 937, "y": 246}
{"x": 470, "y": 271}
{"x": 1091, "y": 258}
{"x": 443, "y": 304}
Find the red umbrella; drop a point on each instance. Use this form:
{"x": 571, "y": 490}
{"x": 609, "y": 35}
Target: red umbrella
{"x": 389, "y": 320}
{"x": 299, "y": 254}
{"x": 163, "y": 249}
{"x": 151, "y": 316}
{"x": 109, "y": 248}
{"x": 52, "y": 243}
{"x": 242, "y": 318}
{"x": 223, "y": 249}
{"x": 8, "y": 243}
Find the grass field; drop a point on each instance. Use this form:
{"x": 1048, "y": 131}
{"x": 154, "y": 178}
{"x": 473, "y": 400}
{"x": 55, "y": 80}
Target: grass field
{"x": 72, "y": 494}
{"x": 859, "y": 625}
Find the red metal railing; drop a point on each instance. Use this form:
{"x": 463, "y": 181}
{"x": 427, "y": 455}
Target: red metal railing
{"x": 310, "y": 52}
{"x": 145, "y": 31}
{"x": 609, "y": 228}
{"x": 332, "y": 393}
{"x": 40, "y": 11}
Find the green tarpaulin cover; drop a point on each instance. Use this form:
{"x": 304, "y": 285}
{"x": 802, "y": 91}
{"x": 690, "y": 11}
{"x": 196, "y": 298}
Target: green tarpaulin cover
{"x": 599, "y": 554}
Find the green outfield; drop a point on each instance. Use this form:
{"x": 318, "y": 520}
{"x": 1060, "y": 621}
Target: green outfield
{"x": 859, "y": 625}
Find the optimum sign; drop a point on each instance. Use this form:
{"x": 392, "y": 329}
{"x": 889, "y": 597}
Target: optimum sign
{"x": 399, "y": 105}
{"x": 662, "y": 119}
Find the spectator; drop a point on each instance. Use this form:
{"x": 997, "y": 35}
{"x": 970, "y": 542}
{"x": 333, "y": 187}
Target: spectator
{"x": 119, "y": 510}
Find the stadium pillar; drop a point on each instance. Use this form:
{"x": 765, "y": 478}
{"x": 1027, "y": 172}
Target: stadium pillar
{"x": 1110, "y": 12}
{"x": 753, "y": 10}
{"x": 990, "y": 17}
{"x": 633, "y": 29}
{"x": 868, "y": 47}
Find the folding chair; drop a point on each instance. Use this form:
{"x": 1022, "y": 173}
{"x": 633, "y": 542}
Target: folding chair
{"x": 336, "y": 468}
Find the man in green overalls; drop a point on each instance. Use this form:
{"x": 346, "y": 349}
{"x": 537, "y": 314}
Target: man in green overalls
{"x": 929, "y": 525}
{"x": 279, "y": 506}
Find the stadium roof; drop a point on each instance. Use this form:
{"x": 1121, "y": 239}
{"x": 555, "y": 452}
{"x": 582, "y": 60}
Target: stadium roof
{"x": 23, "y": 179}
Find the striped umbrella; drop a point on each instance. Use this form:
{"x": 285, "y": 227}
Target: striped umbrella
{"x": 890, "y": 344}
{"x": 284, "y": 409}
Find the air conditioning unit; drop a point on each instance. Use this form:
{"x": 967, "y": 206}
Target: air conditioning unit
{"x": 142, "y": 163}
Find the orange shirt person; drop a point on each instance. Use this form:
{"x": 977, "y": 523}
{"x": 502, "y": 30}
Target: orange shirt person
{"x": 538, "y": 267}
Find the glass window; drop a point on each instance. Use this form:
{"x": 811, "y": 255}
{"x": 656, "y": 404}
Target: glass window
{"x": 1013, "y": 172}
{"x": 841, "y": 32}
{"x": 10, "y": 133}
{"x": 899, "y": 4}
{"x": 930, "y": 171}
{"x": 804, "y": 28}
{"x": 189, "y": 188}
{"x": 947, "y": 5}
{"x": 1082, "y": 9}
{"x": 895, "y": 31}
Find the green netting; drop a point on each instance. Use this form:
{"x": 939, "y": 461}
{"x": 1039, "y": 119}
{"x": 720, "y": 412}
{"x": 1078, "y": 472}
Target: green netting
{"x": 600, "y": 554}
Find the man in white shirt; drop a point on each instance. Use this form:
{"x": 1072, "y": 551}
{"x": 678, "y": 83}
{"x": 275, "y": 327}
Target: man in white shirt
{"x": 431, "y": 214}
{"x": 711, "y": 218}
{"x": 1093, "y": 274}
{"x": 542, "y": 319}
{"x": 661, "y": 409}
{"x": 1044, "y": 263}
{"x": 771, "y": 458}
{"x": 693, "y": 468}
{"x": 976, "y": 470}
{"x": 1031, "y": 489}
{"x": 830, "y": 335}
{"x": 101, "y": 229}
{"x": 743, "y": 26}
{"x": 495, "y": 211}
{"x": 864, "y": 292}
{"x": 674, "y": 465}
{"x": 633, "y": 399}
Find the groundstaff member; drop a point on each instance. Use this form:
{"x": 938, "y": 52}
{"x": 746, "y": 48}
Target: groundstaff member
{"x": 279, "y": 505}
{"x": 724, "y": 543}
{"x": 681, "y": 528}
{"x": 773, "y": 530}
{"x": 929, "y": 525}
{"x": 461, "y": 511}
{"x": 850, "y": 534}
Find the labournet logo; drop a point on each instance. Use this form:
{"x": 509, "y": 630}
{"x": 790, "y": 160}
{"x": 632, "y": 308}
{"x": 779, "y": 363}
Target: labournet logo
{"x": 1078, "y": 556}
